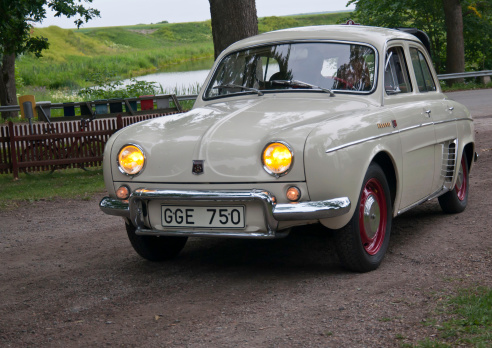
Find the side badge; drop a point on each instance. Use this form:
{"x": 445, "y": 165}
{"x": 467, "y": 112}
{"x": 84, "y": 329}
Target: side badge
{"x": 197, "y": 167}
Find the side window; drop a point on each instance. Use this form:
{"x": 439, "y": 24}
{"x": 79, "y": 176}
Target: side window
{"x": 396, "y": 77}
{"x": 423, "y": 75}
{"x": 270, "y": 68}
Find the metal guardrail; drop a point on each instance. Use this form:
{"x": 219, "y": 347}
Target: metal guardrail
{"x": 61, "y": 105}
{"x": 465, "y": 74}
{"x": 194, "y": 96}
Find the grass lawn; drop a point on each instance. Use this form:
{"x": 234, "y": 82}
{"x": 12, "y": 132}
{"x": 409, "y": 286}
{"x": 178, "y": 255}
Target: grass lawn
{"x": 467, "y": 321}
{"x": 71, "y": 183}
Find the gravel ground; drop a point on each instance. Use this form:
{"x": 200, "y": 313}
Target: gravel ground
{"x": 69, "y": 277}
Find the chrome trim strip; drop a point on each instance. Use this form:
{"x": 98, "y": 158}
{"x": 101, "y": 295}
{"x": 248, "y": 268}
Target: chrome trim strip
{"x": 136, "y": 210}
{"x": 112, "y": 206}
{"x": 438, "y": 193}
{"x": 204, "y": 233}
{"x": 336, "y": 148}
{"x": 312, "y": 210}
{"x": 454, "y": 120}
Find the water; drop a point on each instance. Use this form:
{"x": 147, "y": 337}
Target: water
{"x": 183, "y": 78}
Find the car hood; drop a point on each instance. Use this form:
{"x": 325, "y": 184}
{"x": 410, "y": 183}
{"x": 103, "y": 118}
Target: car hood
{"x": 229, "y": 137}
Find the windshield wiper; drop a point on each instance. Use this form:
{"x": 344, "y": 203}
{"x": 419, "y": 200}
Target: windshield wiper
{"x": 302, "y": 84}
{"x": 231, "y": 85}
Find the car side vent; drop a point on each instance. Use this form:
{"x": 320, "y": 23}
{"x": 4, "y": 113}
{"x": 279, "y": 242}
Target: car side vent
{"x": 449, "y": 155}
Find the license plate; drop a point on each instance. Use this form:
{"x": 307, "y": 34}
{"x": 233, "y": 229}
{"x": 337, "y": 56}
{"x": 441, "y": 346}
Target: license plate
{"x": 202, "y": 217}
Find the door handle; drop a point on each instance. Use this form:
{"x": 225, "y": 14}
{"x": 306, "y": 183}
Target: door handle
{"x": 451, "y": 108}
{"x": 428, "y": 112}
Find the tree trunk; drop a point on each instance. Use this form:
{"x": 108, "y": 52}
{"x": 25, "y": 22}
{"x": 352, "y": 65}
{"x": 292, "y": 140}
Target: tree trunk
{"x": 8, "y": 93}
{"x": 232, "y": 21}
{"x": 455, "y": 53}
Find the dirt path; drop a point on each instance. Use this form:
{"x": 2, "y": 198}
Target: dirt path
{"x": 69, "y": 277}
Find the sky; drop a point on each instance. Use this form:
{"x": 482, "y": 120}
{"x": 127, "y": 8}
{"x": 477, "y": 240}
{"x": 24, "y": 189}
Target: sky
{"x": 130, "y": 12}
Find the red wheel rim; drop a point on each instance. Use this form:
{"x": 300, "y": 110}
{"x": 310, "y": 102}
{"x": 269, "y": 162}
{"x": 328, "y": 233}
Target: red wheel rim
{"x": 372, "y": 216}
{"x": 462, "y": 180}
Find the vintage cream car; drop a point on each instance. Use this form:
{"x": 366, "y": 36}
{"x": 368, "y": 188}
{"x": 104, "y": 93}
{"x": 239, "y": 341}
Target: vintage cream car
{"x": 340, "y": 125}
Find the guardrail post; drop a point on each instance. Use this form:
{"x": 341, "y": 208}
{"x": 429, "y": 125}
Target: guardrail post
{"x": 13, "y": 152}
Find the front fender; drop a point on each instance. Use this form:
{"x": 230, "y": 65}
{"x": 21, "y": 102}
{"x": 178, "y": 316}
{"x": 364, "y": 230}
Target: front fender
{"x": 340, "y": 173}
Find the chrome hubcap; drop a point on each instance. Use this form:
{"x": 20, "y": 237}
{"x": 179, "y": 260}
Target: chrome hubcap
{"x": 372, "y": 216}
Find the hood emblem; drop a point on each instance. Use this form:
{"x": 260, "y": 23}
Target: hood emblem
{"x": 197, "y": 167}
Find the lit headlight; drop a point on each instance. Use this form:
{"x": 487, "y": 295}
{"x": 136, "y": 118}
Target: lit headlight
{"x": 131, "y": 160}
{"x": 277, "y": 158}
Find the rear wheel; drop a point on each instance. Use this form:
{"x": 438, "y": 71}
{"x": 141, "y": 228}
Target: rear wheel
{"x": 362, "y": 244}
{"x": 155, "y": 248}
{"x": 455, "y": 201}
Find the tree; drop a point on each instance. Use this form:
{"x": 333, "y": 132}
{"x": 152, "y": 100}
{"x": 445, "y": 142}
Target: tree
{"x": 455, "y": 51}
{"x": 16, "y": 19}
{"x": 477, "y": 31}
{"x": 426, "y": 15}
{"x": 232, "y": 21}
{"x": 465, "y": 24}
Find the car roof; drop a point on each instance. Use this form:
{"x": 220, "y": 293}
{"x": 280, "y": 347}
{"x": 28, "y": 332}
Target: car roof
{"x": 375, "y": 36}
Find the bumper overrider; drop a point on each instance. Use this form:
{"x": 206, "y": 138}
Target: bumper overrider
{"x": 262, "y": 213}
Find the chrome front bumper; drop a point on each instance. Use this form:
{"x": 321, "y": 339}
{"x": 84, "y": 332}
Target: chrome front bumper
{"x": 137, "y": 210}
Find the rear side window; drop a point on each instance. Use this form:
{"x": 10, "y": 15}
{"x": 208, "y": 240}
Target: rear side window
{"x": 423, "y": 75}
{"x": 396, "y": 76}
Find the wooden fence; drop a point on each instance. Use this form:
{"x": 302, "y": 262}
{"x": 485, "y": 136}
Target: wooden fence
{"x": 65, "y": 144}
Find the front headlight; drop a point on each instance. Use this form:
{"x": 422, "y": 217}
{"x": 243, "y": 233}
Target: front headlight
{"x": 131, "y": 159}
{"x": 277, "y": 158}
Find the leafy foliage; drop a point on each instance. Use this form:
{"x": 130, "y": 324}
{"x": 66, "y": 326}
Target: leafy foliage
{"x": 428, "y": 15}
{"x": 17, "y": 16}
{"x": 106, "y": 88}
{"x": 477, "y": 29}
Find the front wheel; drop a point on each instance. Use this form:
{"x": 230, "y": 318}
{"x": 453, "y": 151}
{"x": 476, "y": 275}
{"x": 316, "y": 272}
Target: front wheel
{"x": 155, "y": 248}
{"x": 455, "y": 201}
{"x": 362, "y": 244}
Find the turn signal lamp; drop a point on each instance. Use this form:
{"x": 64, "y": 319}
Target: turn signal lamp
{"x": 277, "y": 158}
{"x": 131, "y": 160}
{"x": 123, "y": 192}
{"x": 293, "y": 194}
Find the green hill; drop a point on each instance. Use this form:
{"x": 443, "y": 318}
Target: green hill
{"x": 76, "y": 56}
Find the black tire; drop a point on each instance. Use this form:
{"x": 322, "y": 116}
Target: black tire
{"x": 155, "y": 248}
{"x": 455, "y": 201}
{"x": 362, "y": 243}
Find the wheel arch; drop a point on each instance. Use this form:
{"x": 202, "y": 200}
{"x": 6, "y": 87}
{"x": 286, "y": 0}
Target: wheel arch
{"x": 384, "y": 160}
{"x": 469, "y": 150}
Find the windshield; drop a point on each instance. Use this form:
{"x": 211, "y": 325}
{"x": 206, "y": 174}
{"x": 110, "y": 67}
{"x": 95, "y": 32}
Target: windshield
{"x": 316, "y": 66}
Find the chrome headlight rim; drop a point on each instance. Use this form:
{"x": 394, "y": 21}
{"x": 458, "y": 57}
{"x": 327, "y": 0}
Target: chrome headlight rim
{"x": 268, "y": 170}
{"x": 120, "y": 168}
